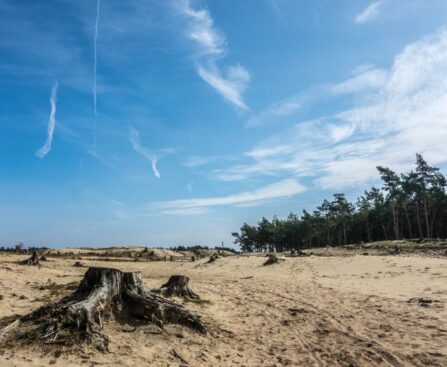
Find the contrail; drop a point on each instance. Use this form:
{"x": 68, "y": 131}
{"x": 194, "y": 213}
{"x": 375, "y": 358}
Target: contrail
{"x": 136, "y": 145}
{"x": 95, "y": 49}
{"x": 95, "y": 66}
{"x": 42, "y": 152}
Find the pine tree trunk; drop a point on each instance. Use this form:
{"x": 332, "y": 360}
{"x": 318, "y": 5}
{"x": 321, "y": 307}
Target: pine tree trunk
{"x": 368, "y": 230}
{"x": 395, "y": 221}
{"x": 426, "y": 217}
{"x": 384, "y": 232}
{"x": 408, "y": 221}
{"x": 419, "y": 220}
{"x": 344, "y": 232}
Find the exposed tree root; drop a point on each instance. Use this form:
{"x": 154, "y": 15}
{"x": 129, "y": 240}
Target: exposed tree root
{"x": 103, "y": 292}
{"x": 177, "y": 285}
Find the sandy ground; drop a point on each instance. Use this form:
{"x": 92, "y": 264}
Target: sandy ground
{"x": 313, "y": 311}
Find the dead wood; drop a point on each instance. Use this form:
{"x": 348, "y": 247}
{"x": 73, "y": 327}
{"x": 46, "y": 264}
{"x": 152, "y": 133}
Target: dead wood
{"x": 102, "y": 293}
{"x": 34, "y": 259}
{"x": 272, "y": 259}
{"x": 176, "y": 354}
{"x": 177, "y": 285}
{"x": 213, "y": 257}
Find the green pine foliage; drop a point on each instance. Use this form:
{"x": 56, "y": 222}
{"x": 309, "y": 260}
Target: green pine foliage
{"x": 408, "y": 205}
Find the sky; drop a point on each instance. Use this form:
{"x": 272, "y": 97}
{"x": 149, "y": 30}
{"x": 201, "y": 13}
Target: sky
{"x": 163, "y": 123}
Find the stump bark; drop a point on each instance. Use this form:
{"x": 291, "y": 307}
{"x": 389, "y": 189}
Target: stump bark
{"x": 213, "y": 257}
{"x": 103, "y": 292}
{"x": 272, "y": 259}
{"x": 34, "y": 259}
{"x": 177, "y": 285}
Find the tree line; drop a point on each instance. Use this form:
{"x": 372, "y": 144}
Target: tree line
{"x": 408, "y": 205}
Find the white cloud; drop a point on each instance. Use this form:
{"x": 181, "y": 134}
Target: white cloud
{"x": 341, "y": 132}
{"x": 136, "y": 145}
{"x": 42, "y": 152}
{"x": 396, "y": 113}
{"x": 197, "y": 161}
{"x": 230, "y": 88}
{"x": 190, "y": 186}
{"x": 280, "y": 189}
{"x": 185, "y": 211}
{"x": 364, "y": 79}
{"x": 277, "y": 109}
{"x": 202, "y": 30}
{"x": 213, "y": 46}
{"x": 269, "y": 152}
{"x": 368, "y": 14}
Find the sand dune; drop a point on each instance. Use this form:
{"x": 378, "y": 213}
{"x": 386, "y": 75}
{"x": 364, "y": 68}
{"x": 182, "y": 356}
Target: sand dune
{"x": 311, "y": 311}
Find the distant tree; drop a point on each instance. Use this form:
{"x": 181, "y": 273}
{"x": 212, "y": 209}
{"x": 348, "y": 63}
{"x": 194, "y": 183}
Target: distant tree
{"x": 408, "y": 204}
{"x": 391, "y": 184}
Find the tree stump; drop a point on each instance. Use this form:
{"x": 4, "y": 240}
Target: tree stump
{"x": 33, "y": 260}
{"x": 395, "y": 250}
{"x": 213, "y": 257}
{"x": 272, "y": 259}
{"x": 301, "y": 253}
{"x": 102, "y": 293}
{"x": 177, "y": 285}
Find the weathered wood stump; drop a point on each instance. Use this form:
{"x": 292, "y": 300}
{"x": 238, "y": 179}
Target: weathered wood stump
{"x": 177, "y": 285}
{"x": 213, "y": 257}
{"x": 33, "y": 260}
{"x": 102, "y": 293}
{"x": 395, "y": 250}
{"x": 272, "y": 259}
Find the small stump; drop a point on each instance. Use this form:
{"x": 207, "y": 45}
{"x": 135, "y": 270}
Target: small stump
{"x": 177, "y": 285}
{"x": 79, "y": 317}
{"x": 273, "y": 259}
{"x": 213, "y": 257}
{"x": 34, "y": 259}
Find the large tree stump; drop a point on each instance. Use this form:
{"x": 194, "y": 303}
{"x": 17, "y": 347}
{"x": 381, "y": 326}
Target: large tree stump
{"x": 177, "y": 285}
{"x": 103, "y": 292}
{"x": 34, "y": 259}
{"x": 272, "y": 259}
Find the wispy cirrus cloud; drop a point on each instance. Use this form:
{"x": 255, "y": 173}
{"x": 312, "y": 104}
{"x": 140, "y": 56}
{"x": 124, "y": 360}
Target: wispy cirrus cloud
{"x": 212, "y": 46}
{"x": 144, "y": 152}
{"x": 280, "y": 189}
{"x": 369, "y": 13}
{"x": 396, "y": 113}
{"x": 42, "y": 152}
{"x": 197, "y": 161}
{"x": 364, "y": 78}
{"x": 278, "y": 109}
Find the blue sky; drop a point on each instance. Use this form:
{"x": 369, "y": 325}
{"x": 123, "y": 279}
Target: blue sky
{"x": 208, "y": 114}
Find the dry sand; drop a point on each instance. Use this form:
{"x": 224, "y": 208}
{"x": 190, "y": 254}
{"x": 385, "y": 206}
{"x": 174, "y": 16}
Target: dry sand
{"x": 312, "y": 311}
